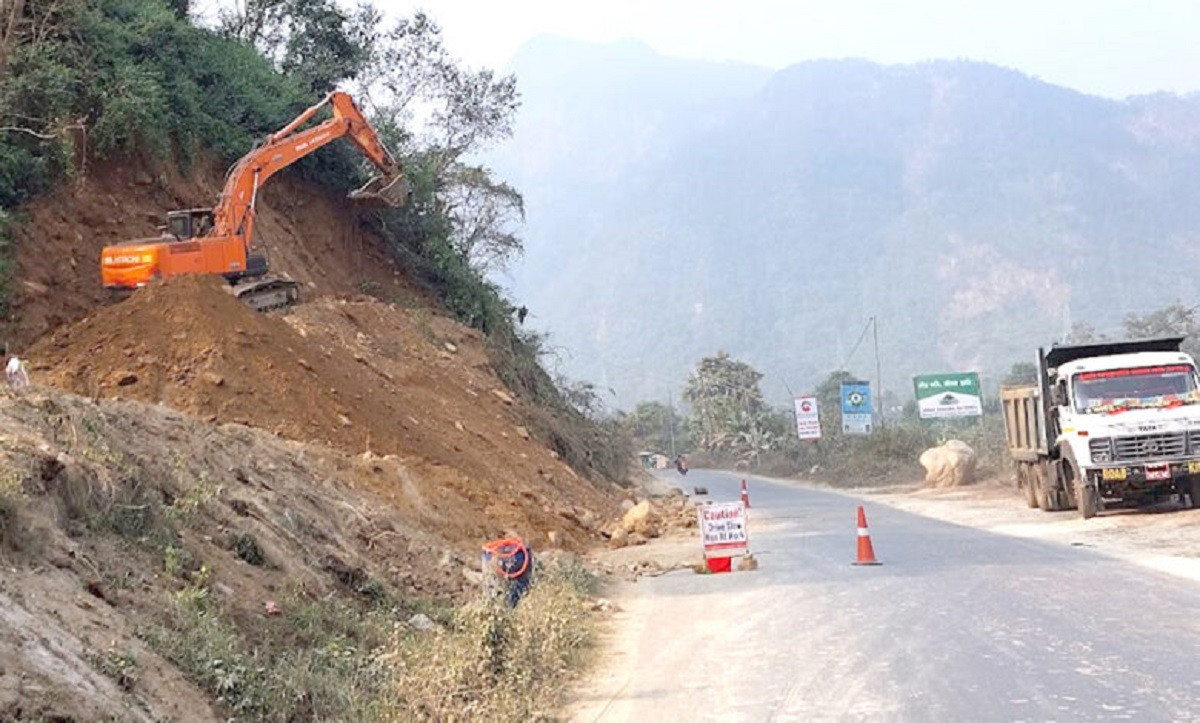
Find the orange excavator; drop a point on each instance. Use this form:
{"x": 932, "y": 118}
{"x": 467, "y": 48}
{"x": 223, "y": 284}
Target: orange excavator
{"x": 220, "y": 240}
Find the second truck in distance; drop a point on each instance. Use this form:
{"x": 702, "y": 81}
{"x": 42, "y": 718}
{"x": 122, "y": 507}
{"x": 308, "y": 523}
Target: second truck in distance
{"x": 1107, "y": 425}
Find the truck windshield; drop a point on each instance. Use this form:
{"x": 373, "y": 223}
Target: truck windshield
{"x": 1116, "y": 390}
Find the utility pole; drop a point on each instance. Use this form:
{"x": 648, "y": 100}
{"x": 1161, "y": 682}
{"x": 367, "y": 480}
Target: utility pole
{"x": 878, "y": 372}
{"x": 671, "y": 420}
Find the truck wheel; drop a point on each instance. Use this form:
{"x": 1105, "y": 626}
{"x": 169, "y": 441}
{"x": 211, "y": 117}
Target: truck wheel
{"x": 1041, "y": 493}
{"x": 1089, "y": 500}
{"x": 1087, "y": 497}
{"x": 1027, "y": 481}
{"x": 1194, "y": 494}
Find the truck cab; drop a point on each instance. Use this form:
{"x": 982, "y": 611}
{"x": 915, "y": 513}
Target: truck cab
{"x": 1115, "y": 424}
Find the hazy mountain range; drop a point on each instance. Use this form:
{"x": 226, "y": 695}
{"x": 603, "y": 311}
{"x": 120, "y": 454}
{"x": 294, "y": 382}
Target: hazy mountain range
{"x": 680, "y": 207}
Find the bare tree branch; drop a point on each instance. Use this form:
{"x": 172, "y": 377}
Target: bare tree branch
{"x": 15, "y": 11}
{"x": 19, "y": 129}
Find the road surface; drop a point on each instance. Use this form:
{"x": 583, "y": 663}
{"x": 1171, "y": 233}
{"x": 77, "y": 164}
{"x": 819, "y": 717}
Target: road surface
{"x": 956, "y": 625}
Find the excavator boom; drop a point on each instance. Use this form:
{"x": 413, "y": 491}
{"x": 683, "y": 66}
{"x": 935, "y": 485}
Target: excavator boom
{"x": 220, "y": 240}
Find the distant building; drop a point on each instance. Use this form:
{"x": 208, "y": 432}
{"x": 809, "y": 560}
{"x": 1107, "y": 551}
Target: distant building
{"x": 654, "y": 460}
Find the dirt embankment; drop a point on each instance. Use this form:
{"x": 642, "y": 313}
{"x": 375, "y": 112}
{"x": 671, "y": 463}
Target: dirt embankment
{"x": 363, "y": 444}
{"x": 109, "y": 511}
{"x": 358, "y": 375}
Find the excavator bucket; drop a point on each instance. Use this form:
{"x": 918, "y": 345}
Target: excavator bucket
{"x": 392, "y": 191}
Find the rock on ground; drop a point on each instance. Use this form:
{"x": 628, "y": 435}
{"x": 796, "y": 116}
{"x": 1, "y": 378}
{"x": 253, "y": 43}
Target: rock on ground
{"x": 642, "y": 518}
{"x": 951, "y": 464}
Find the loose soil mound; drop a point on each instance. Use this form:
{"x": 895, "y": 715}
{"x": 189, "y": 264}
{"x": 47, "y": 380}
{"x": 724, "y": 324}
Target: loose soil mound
{"x": 358, "y": 375}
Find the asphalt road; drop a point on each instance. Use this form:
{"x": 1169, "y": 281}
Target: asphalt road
{"x": 956, "y": 625}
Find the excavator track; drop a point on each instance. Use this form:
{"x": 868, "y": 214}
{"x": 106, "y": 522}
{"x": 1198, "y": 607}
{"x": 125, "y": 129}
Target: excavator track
{"x": 267, "y": 294}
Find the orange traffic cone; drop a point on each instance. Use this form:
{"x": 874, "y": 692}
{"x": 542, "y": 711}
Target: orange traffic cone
{"x": 866, "y": 553}
{"x": 745, "y": 495}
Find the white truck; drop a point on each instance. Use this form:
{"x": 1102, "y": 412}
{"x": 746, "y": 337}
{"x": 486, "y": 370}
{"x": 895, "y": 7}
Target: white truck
{"x": 1107, "y": 425}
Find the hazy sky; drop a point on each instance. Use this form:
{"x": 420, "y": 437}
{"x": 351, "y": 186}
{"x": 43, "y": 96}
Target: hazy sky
{"x": 1107, "y": 47}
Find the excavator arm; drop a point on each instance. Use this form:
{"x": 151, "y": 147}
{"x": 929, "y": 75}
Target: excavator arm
{"x": 235, "y": 213}
{"x": 223, "y": 247}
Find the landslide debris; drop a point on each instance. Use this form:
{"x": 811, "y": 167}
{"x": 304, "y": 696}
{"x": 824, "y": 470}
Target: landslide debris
{"x": 355, "y": 374}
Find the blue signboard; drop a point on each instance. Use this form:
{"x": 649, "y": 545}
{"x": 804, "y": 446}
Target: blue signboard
{"x": 856, "y": 408}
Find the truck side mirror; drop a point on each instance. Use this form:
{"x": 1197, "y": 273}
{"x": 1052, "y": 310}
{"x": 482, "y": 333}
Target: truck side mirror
{"x": 1058, "y": 396}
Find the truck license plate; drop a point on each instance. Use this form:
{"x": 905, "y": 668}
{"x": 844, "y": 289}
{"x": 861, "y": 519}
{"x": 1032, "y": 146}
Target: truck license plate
{"x": 1193, "y": 467}
{"x": 1158, "y": 471}
{"x": 1114, "y": 473}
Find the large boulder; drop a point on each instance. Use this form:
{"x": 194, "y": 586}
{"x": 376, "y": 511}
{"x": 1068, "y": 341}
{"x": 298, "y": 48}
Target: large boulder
{"x": 642, "y": 518}
{"x": 949, "y": 465}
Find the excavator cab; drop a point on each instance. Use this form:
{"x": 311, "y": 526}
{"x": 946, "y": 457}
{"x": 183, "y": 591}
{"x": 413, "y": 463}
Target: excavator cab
{"x": 190, "y": 223}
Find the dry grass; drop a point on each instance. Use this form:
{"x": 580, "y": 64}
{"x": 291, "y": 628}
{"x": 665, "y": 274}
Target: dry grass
{"x": 497, "y": 664}
{"x": 329, "y": 659}
{"x": 323, "y": 660}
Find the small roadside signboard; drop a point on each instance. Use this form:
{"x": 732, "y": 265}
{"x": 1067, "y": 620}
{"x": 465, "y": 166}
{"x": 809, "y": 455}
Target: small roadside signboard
{"x": 723, "y": 529}
{"x": 856, "y": 408}
{"x": 808, "y": 424}
{"x": 941, "y": 396}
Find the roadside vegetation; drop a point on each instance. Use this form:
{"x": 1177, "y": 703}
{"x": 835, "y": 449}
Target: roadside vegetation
{"x": 727, "y": 423}
{"x": 499, "y": 664}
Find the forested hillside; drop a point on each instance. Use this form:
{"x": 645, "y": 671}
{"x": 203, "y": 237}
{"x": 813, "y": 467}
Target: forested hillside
{"x": 976, "y": 211}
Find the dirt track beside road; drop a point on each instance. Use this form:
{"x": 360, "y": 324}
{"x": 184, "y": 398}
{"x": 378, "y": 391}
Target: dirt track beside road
{"x": 1163, "y": 537}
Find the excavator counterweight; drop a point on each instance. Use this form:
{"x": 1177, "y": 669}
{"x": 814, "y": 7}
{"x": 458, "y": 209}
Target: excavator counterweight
{"x": 220, "y": 240}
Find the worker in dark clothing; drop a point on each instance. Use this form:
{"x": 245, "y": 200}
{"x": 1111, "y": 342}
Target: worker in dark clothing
{"x": 513, "y": 561}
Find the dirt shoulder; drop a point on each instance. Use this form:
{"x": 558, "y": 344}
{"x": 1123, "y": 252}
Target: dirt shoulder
{"x": 1162, "y": 537}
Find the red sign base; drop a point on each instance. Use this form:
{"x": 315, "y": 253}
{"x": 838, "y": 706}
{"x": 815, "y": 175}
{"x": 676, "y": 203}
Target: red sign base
{"x": 720, "y": 564}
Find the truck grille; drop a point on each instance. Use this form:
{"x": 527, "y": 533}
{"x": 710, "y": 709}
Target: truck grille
{"x": 1150, "y": 446}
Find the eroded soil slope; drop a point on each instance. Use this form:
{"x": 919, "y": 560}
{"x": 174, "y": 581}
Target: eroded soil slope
{"x": 110, "y": 511}
{"x": 358, "y": 375}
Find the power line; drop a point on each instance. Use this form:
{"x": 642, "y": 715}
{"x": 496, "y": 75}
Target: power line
{"x": 863, "y": 335}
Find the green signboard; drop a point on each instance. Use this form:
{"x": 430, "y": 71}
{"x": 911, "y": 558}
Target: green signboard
{"x": 940, "y": 396}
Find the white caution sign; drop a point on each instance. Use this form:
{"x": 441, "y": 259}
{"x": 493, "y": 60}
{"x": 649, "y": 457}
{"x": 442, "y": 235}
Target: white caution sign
{"x": 723, "y": 529}
{"x": 808, "y": 423}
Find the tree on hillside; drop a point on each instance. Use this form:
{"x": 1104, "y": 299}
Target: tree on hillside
{"x": 728, "y": 414}
{"x": 1083, "y": 333}
{"x": 1173, "y": 320}
{"x": 11, "y": 16}
{"x": 462, "y": 112}
{"x": 483, "y": 212}
{"x": 315, "y": 41}
{"x": 1021, "y": 373}
{"x": 656, "y": 427}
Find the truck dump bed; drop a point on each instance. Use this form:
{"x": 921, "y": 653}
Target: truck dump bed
{"x": 1023, "y": 422}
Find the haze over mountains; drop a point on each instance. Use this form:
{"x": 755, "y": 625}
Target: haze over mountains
{"x": 680, "y": 207}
